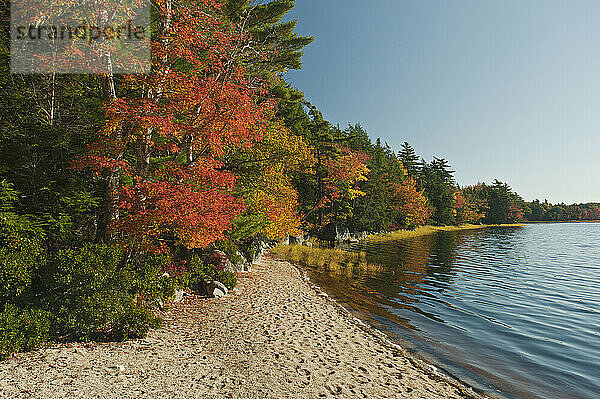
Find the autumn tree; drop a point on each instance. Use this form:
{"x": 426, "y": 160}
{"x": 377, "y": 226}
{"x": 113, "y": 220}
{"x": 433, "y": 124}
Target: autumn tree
{"x": 470, "y": 207}
{"x": 264, "y": 178}
{"x": 344, "y": 172}
{"x": 410, "y": 205}
{"x": 392, "y": 199}
{"x": 170, "y": 136}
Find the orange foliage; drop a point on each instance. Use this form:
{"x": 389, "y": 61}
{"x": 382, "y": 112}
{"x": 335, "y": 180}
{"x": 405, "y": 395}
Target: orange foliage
{"x": 344, "y": 172}
{"x": 168, "y": 141}
{"x": 269, "y": 188}
{"x": 411, "y": 203}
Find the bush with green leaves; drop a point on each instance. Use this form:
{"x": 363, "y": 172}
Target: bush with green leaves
{"x": 18, "y": 265}
{"x": 200, "y": 269}
{"x": 20, "y": 246}
{"x": 227, "y": 278}
{"x": 96, "y": 294}
{"x": 22, "y": 329}
{"x": 89, "y": 292}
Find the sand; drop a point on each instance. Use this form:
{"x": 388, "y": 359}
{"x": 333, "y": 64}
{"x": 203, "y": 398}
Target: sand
{"x": 274, "y": 336}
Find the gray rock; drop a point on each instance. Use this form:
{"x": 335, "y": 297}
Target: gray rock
{"x": 299, "y": 239}
{"x": 221, "y": 286}
{"x": 215, "y": 289}
{"x": 361, "y": 235}
{"x": 333, "y": 232}
{"x": 179, "y": 295}
{"x": 242, "y": 266}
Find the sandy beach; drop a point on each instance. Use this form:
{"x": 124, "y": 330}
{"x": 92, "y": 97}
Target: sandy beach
{"x": 274, "y": 336}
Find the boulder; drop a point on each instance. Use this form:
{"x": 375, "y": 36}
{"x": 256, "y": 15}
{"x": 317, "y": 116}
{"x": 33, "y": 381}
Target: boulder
{"x": 179, "y": 295}
{"x": 361, "y": 235}
{"x": 241, "y": 265}
{"x": 299, "y": 239}
{"x": 215, "y": 289}
{"x": 333, "y": 232}
{"x": 221, "y": 286}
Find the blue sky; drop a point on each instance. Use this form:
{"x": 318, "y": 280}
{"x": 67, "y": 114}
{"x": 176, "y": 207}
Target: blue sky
{"x": 502, "y": 89}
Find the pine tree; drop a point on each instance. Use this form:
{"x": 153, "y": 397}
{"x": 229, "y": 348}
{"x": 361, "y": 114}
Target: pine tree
{"x": 269, "y": 36}
{"x": 410, "y": 160}
{"x": 441, "y": 166}
{"x": 438, "y": 182}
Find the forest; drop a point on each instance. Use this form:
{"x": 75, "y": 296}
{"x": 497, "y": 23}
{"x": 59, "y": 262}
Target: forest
{"x": 116, "y": 190}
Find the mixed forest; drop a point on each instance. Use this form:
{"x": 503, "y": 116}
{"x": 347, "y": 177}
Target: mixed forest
{"x": 115, "y": 190}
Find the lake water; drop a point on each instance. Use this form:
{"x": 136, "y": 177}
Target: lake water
{"x": 514, "y": 312}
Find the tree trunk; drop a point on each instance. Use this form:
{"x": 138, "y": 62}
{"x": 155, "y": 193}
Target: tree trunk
{"x": 110, "y": 213}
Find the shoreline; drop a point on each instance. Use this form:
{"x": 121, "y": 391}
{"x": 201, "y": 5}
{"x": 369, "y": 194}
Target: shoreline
{"x": 417, "y": 361}
{"x": 427, "y": 230}
{"x": 276, "y": 335}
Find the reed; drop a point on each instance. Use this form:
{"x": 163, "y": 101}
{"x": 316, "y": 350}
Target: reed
{"x": 334, "y": 260}
{"x": 426, "y": 230}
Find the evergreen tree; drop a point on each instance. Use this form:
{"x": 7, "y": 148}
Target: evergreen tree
{"x": 505, "y": 206}
{"x": 441, "y": 166}
{"x": 438, "y": 182}
{"x": 270, "y": 36}
{"x": 410, "y": 160}
{"x": 45, "y": 122}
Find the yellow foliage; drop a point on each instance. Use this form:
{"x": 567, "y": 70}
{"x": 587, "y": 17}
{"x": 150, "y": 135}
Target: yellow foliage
{"x": 267, "y": 184}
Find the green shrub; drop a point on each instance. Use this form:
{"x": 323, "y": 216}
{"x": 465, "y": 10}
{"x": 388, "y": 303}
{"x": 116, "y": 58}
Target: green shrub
{"x": 231, "y": 249}
{"x": 227, "y": 278}
{"x": 17, "y": 264}
{"x": 149, "y": 281}
{"x": 95, "y": 295}
{"x": 199, "y": 269}
{"x": 20, "y": 249}
{"x": 22, "y": 329}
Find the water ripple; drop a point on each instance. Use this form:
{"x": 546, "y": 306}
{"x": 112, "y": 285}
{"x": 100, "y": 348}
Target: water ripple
{"x": 516, "y": 311}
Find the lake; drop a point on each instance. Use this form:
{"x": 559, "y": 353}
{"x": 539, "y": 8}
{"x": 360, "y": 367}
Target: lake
{"x": 514, "y": 311}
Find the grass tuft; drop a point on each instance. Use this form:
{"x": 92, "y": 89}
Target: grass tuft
{"x": 426, "y": 230}
{"x": 334, "y": 260}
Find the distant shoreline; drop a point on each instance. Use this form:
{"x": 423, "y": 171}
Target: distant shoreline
{"x": 560, "y": 221}
{"x": 426, "y": 230}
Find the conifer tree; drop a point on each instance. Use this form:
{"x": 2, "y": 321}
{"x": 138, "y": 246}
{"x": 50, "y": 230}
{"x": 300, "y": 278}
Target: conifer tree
{"x": 438, "y": 182}
{"x": 410, "y": 160}
{"x": 269, "y": 36}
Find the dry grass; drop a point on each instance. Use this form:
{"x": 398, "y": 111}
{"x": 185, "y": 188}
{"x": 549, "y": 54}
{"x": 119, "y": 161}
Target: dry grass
{"x": 340, "y": 262}
{"x": 426, "y": 230}
{"x": 333, "y": 260}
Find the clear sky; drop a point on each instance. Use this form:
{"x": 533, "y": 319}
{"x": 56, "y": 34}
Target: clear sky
{"x": 506, "y": 89}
